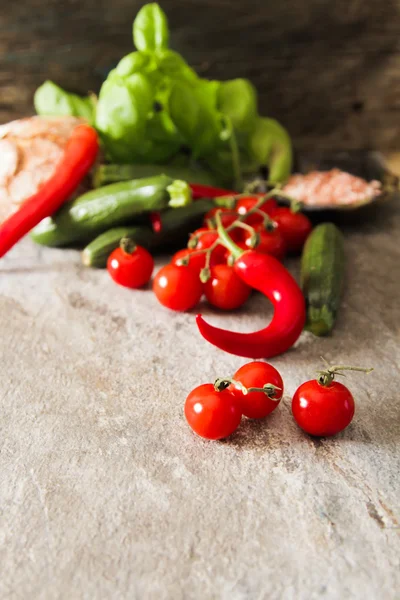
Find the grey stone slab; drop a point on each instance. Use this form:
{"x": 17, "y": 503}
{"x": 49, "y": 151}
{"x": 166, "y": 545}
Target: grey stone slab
{"x": 105, "y": 493}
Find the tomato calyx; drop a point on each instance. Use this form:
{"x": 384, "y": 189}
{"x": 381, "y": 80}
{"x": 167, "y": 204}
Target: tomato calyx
{"x": 269, "y": 389}
{"x": 127, "y": 245}
{"x": 327, "y": 376}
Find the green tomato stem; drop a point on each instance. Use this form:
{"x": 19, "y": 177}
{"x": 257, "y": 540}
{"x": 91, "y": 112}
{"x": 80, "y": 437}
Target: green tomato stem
{"x": 269, "y": 389}
{"x": 127, "y": 245}
{"x": 326, "y": 377}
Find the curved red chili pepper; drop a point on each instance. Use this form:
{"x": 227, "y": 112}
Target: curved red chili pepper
{"x": 79, "y": 156}
{"x": 267, "y": 275}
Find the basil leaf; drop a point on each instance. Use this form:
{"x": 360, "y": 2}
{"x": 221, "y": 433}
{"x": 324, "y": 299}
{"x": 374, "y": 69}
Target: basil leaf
{"x": 237, "y": 99}
{"x": 52, "y": 101}
{"x": 150, "y": 28}
{"x": 135, "y": 62}
{"x": 193, "y": 109}
{"x": 270, "y": 146}
{"x": 171, "y": 64}
{"x": 121, "y": 116}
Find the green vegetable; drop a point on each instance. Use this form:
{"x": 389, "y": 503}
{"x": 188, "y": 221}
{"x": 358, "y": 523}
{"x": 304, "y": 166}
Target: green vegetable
{"x": 322, "y": 274}
{"x": 271, "y": 147}
{"x": 105, "y": 174}
{"x": 52, "y": 101}
{"x": 150, "y": 28}
{"x": 115, "y": 204}
{"x": 97, "y": 252}
{"x": 237, "y": 99}
{"x": 122, "y": 110}
{"x": 176, "y": 224}
{"x": 153, "y": 106}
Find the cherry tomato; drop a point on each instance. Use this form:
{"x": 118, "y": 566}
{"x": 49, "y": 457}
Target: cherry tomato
{"x": 257, "y": 405}
{"x": 228, "y": 216}
{"x": 294, "y": 227}
{"x": 322, "y": 410}
{"x": 206, "y": 239}
{"x": 271, "y": 242}
{"x": 178, "y": 287}
{"x": 131, "y": 268}
{"x": 212, "y": 415}
{"x": 225, "y": 289}
{"x": 245, "y": 204}
{"x": 196, "y": 261}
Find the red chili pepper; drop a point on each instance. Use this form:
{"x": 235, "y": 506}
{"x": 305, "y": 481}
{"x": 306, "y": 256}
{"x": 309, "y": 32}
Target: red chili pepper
{"x": 207, "y": 191}
{"x": 267, "y": 275}
{"x": 79, "y": 156}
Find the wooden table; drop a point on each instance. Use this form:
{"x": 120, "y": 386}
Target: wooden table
{"x": 106, "y": 494}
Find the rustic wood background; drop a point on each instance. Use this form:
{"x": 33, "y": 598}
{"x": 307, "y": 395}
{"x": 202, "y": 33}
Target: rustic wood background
{"x": 329, "y": 70}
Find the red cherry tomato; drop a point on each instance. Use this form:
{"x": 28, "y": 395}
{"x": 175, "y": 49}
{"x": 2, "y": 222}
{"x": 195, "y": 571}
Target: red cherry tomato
{"x": 271, "y": 242}
{"x": 228, "y": 216}
{"x": 257, "y": 405}
{"x": 322, "y": 410}
{"x": 225, "y": 289}
{"x": 131, "y": 269}
{"x": 294, "y": 227}
{"x": 212, "y": 415}
{"x": 196, "y": 261}
{"x": 177, "y": 287}
{"x": 206, "y": 239}
{"x": 245, "y": 204}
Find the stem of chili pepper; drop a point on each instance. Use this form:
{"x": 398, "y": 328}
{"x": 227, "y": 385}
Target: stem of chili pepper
{"x": 326, "y": 377}
{"x": 269, "y": 389}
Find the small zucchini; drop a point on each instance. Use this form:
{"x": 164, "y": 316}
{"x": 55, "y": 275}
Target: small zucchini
{"x": 176, "y": 225}
{"x": 322, "y": 274}
{"x": 117, "y": 204}
{"x": 97, "y": 252}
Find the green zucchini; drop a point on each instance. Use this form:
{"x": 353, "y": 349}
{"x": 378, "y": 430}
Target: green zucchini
{"x": 322, "y": 274}
{"x": 105, "y": 174}
{"x": 96, "y": 211}
{"x": 176, "y": 224}
{"x": 97, "y": 252}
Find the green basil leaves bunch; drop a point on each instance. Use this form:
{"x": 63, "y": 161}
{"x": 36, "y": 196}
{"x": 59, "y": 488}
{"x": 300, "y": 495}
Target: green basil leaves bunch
{"x": 154, "y": 108}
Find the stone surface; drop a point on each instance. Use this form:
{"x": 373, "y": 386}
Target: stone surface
{"x": 106, "y": 494}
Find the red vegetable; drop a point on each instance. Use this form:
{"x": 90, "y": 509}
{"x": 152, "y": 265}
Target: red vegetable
{"x": 324, "y": 407}
{"x": 178, "y": 287}
{"x": 264, "y": 387}
{"x": 79, "y": 156}
{"x": 225, "y": 289}
{"x": 243, "y": 206}
{"x": 267, "y": 275}
{"x": 271, "y": 242}
{"x": 228, "y": 216}
{"x": 130, "y": 265}
{"x": 212, "y": 414}
{"x": 208, "y": 191}
{"x": 204, "y": 238}
{"x": 293, "y": 226}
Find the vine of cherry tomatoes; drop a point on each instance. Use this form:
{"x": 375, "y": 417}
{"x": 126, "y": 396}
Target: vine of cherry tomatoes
{"x": 321, "y": 407}
{"x": 252, "y": 224}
